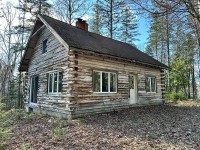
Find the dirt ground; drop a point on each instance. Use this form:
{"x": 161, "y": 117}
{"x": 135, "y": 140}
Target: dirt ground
{"x": 168, "y": 127}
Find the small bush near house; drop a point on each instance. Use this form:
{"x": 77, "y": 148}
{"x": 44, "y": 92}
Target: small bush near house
{"x": 197, "y": 100}
{"x": 174, "y": 97}
{"x": 26, "y": 147}
{"x": 59, "y": 129}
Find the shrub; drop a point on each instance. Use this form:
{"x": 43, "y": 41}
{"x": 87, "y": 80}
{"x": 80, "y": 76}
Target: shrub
{"x": 26, "y": 147}
{"x": 59, "y": 129}
{"x": 175, "y": 96}
{"x": 59, "y": 132}
{"x": 197, "y": 100}
{"x": 4, "y": 126}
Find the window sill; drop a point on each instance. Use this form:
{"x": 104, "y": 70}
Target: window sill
{"x": 104, "y": 92}
{"x": 151, "y": 92}
{"x": 33, "y": 104}
{"x": 54, "y": 94}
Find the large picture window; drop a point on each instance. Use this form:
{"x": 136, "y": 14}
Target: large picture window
{"x": 54, "y": 82}
{"x": 150, "y": 83}
{"x": 104, "y": 82}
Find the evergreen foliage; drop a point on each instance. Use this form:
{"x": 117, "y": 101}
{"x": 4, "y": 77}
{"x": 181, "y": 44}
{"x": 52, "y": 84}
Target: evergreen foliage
{"x": 128, "y": 30}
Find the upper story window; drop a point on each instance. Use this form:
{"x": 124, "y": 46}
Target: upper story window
{"x": 104, "y": 82}
{"x": 44, "y": 46}
{"x": 150, "y": 83}
{"x": 54, "y": 82}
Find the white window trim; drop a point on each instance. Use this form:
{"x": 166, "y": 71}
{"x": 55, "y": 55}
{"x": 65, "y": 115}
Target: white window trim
{"x": 150, "y": 84}
{"x": 108, "y": 81}
{"x": 53, "y": 93}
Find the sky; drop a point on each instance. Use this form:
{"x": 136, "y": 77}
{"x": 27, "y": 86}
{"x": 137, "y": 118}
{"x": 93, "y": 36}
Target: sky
{"x": 143, "y": 30}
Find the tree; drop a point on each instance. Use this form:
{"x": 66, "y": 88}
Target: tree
{"x": 96, "y": 20}
{"x": 154, "y": 38}
{"x": 35, "y": 7}
{"x": 178, "y": 74}
{"x": 9, "y": 53}
{"x": 23, "y": 29}
{"x": 110, "y": 10}
{"x": 70, "y": 10}
{"x": 189, "y": 9}
{"x": 182, "y": 75}
{"x": 129, "y": 25}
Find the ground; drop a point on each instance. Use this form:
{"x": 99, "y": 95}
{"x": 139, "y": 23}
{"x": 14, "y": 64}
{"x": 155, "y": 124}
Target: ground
{"x": 168, "y": 127}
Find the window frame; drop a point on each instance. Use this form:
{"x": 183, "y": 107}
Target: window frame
{"x": 101, "y": 81}
{"x": 53, "y": 81}
{"x": 44, "y": 50}
{"x": 150, "y": 86}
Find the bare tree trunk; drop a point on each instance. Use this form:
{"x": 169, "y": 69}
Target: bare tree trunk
{"x": 111, "y": 19}
{"x": 193, "y": 83}
{"x": 168, "y": 49}
{"x": 70, "y": 12}
{"x": 189, "y": 83}
{"x": 40, "y": 7}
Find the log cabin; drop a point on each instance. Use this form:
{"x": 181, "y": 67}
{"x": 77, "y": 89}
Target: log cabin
{"x": 71, "y": 72}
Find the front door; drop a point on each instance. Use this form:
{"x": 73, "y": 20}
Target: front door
{"x": 133, "y": 89}
{"x": 33, "y": 89}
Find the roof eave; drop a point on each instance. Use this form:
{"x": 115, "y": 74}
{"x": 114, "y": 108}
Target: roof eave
{"x": 131, "y": 60}
{"x": 26, "y": 49}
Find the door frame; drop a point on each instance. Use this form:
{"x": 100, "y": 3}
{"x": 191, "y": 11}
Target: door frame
{"x": 135, "y": 100}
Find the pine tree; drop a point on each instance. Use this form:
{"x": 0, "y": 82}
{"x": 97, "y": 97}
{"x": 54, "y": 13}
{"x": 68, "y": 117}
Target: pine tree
{"x": 154, "y": 40}
{"x": 35, "y": 7}
{"x": 128, "y": 30}
{"x": 110, "y": 10}
{"x": 96, "y": 20}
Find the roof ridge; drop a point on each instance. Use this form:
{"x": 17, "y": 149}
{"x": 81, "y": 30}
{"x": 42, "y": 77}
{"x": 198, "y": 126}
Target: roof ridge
{"x": 90, "y": 31}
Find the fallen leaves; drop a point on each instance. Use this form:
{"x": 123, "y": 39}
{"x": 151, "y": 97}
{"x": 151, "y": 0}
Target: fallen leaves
{"x": 153, "y": 127}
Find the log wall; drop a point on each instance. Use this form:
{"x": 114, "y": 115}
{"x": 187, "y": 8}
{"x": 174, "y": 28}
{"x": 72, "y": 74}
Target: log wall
{"x": 55, "y": 59}
{"x": 84, "y": 100}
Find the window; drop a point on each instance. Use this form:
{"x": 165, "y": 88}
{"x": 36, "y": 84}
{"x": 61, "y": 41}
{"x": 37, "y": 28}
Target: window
{"x": 150, "y": 84}
{"x": 34, "y": 89}
{"x": 54, "y": 82}
{"x": 104, "y": 82}
{"x": 44, "y": 46}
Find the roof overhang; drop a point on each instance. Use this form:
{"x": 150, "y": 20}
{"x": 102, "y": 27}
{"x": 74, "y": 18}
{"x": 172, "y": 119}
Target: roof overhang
{"x": 119, "y": 58}
{"x": 32, "y": 41}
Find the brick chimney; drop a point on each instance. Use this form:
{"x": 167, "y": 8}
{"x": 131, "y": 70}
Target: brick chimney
{"x": 80, "y": 23}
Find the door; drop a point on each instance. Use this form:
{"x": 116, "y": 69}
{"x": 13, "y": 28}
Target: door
{"x": 133, "y": 89}
{"x": 33, "y": 89}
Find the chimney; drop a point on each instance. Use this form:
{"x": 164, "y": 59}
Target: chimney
{"x": 80, "y": 23}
